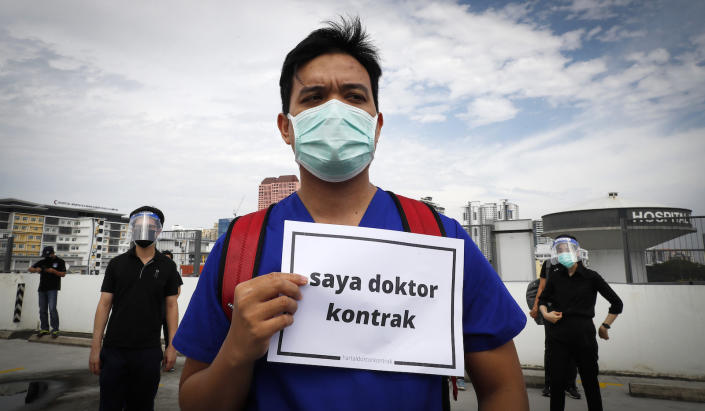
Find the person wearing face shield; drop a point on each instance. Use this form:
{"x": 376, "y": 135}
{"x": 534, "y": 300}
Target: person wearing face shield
{"x": 571, "y": 291}
{"x": 139, "y": 289}
{"x": 331, "y": 120}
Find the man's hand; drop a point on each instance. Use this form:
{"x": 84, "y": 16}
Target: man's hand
{"x": 534, "y": 313}
{"x": 602, "y": 332}
{"x": 169, "y": 358}
{"x": 262, "y": 306}
{"x": 94, "y": 361}
{"x": 553, "y": 316}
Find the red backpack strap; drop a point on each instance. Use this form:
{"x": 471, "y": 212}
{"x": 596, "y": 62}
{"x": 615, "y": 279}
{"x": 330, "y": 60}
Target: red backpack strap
{"x": 418, "y": 217}
{"x": 239, "y": 259}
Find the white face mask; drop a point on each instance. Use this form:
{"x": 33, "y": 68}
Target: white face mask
{"x": 334, "y": 141}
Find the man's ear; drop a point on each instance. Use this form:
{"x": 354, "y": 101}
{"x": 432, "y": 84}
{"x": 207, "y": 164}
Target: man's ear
{"x": 378, "y": 130}
{"x": 284, "y": 125}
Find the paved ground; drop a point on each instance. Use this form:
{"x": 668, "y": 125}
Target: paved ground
{"x": 72, "y": 387}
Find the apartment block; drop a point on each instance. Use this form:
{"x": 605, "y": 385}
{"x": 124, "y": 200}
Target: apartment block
{"x": 275, "y": 189}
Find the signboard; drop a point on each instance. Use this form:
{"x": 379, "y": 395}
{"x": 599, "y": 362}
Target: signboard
{"x": 94, "y": 207}
{"x": 376, "y": 299}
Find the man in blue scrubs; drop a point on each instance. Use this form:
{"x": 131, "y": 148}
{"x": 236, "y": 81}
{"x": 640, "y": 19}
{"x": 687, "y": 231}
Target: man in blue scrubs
{"x": 330, "y": 117}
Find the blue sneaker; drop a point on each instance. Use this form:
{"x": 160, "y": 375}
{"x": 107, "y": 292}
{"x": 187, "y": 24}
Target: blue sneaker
{"x": 461, "y": 384}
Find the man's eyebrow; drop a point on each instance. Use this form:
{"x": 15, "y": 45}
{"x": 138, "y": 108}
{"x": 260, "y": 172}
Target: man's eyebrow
{"x": 356, "y": 86}
{"x": 310, "y": 89}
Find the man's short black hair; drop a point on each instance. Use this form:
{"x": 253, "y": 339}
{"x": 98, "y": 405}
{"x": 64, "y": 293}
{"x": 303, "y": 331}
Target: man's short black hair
{"x": 151, "y": 209}
{"x": 346, "y": 37}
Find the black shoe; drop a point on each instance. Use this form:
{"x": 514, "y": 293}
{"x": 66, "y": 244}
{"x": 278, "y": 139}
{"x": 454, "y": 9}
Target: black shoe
{"x": 55, "y": 334}
{"x": 546, "y": 392}
{"x": 573, "y": 393}
{"x": 42, "y": 333}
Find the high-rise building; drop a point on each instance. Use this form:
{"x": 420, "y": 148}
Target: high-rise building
{"x": 437, "y": 207}
{"x": 223, "y": 224}
{"x": 479, "y": 219}
{"x": 86, "y": 238}
{"x": 274, "y": 189}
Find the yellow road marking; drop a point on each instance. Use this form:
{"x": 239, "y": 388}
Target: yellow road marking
{"x": 11, "y": 370}
{"x": 605, "y": 384}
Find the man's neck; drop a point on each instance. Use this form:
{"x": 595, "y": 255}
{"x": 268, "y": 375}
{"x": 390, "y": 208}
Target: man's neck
{"x": 573, "y": 269}
{"x": 336, "y": 203}
{"x": 145, "y": 254}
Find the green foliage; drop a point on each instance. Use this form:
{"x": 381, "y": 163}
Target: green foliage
{"x": 676, "y": 270}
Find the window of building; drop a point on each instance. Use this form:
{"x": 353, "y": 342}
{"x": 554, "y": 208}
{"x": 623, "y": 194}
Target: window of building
{"x": 33, "y": 247}
{"x": 62, "y": 247}
{"x": 17, "y": 217}
{"x": 33, "y": 219}
{"x": 20, "y": 246}
{"x": 51, "y": 221}
{"x": 97, "y": 263}
{"x": 24, "y": 219}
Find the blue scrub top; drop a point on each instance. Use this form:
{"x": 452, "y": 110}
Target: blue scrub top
{"x": 491, "y": 318}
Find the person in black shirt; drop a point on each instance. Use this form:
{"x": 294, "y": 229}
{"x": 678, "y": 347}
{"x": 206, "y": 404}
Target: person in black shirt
{"x": 572, "y": 291}
{"x": 139, "y": 289}
{"x": 571, "y": 387}
{"x": 51, "y": 269}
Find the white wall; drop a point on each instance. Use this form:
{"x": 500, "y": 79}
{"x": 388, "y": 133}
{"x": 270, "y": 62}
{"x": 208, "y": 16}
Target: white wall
{"x": 660, "y": 332}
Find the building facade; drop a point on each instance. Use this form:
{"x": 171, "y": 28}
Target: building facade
{"x": 479, "y": 219}
{"x": 85, "y": 238}
{"x": 275, "y": 189}
{"x": 223, "y": 224}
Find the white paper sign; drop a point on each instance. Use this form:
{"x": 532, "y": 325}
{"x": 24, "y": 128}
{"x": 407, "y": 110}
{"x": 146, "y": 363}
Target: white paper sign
{"x": 376, "y": 299}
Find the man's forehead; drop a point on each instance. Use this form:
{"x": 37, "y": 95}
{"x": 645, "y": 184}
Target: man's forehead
{"x": 338, "y": 67}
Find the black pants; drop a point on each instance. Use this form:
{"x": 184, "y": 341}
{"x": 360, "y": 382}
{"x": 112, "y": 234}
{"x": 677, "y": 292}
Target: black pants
{"x": 572, "y": 375}
{"x": 129, "y": 378}
{"x": 580, "y": 348}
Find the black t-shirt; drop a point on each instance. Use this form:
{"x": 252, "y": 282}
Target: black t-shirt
{"x": 575, "y": 297}
{"x": 139, "y": 291}
{"x": 48, "y": 281}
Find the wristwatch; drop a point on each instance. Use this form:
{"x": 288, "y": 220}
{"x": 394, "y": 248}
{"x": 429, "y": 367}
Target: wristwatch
{"x": 606, "y": 325}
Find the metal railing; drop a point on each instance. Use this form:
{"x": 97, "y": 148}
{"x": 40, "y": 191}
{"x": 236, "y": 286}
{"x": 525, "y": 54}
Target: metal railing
{"x": 678, "y": 259}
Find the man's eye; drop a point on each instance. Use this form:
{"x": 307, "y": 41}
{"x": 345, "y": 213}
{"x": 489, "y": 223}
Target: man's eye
{"x": 311, "y": 97}
{"x": 359, "y": 98}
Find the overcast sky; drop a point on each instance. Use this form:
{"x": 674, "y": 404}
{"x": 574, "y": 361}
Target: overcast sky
{"x": 174, "y": 103}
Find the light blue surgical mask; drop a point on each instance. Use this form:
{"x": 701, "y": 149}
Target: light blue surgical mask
{"x": 567, "y": 259}
{"x": 334, "y": 141}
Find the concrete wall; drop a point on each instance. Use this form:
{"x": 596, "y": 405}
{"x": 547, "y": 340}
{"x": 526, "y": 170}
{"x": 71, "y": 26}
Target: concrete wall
{"x": 514, "y": 250}
{"x": 660, "y": 332}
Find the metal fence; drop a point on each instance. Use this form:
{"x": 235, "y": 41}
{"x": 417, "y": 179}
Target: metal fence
{"x": 680, "y": 259}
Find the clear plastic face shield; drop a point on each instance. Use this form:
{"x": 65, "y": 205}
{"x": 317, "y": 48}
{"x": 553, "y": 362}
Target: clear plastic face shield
{"x": 144, "y": 228}
{"x": 565, "y": 251}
